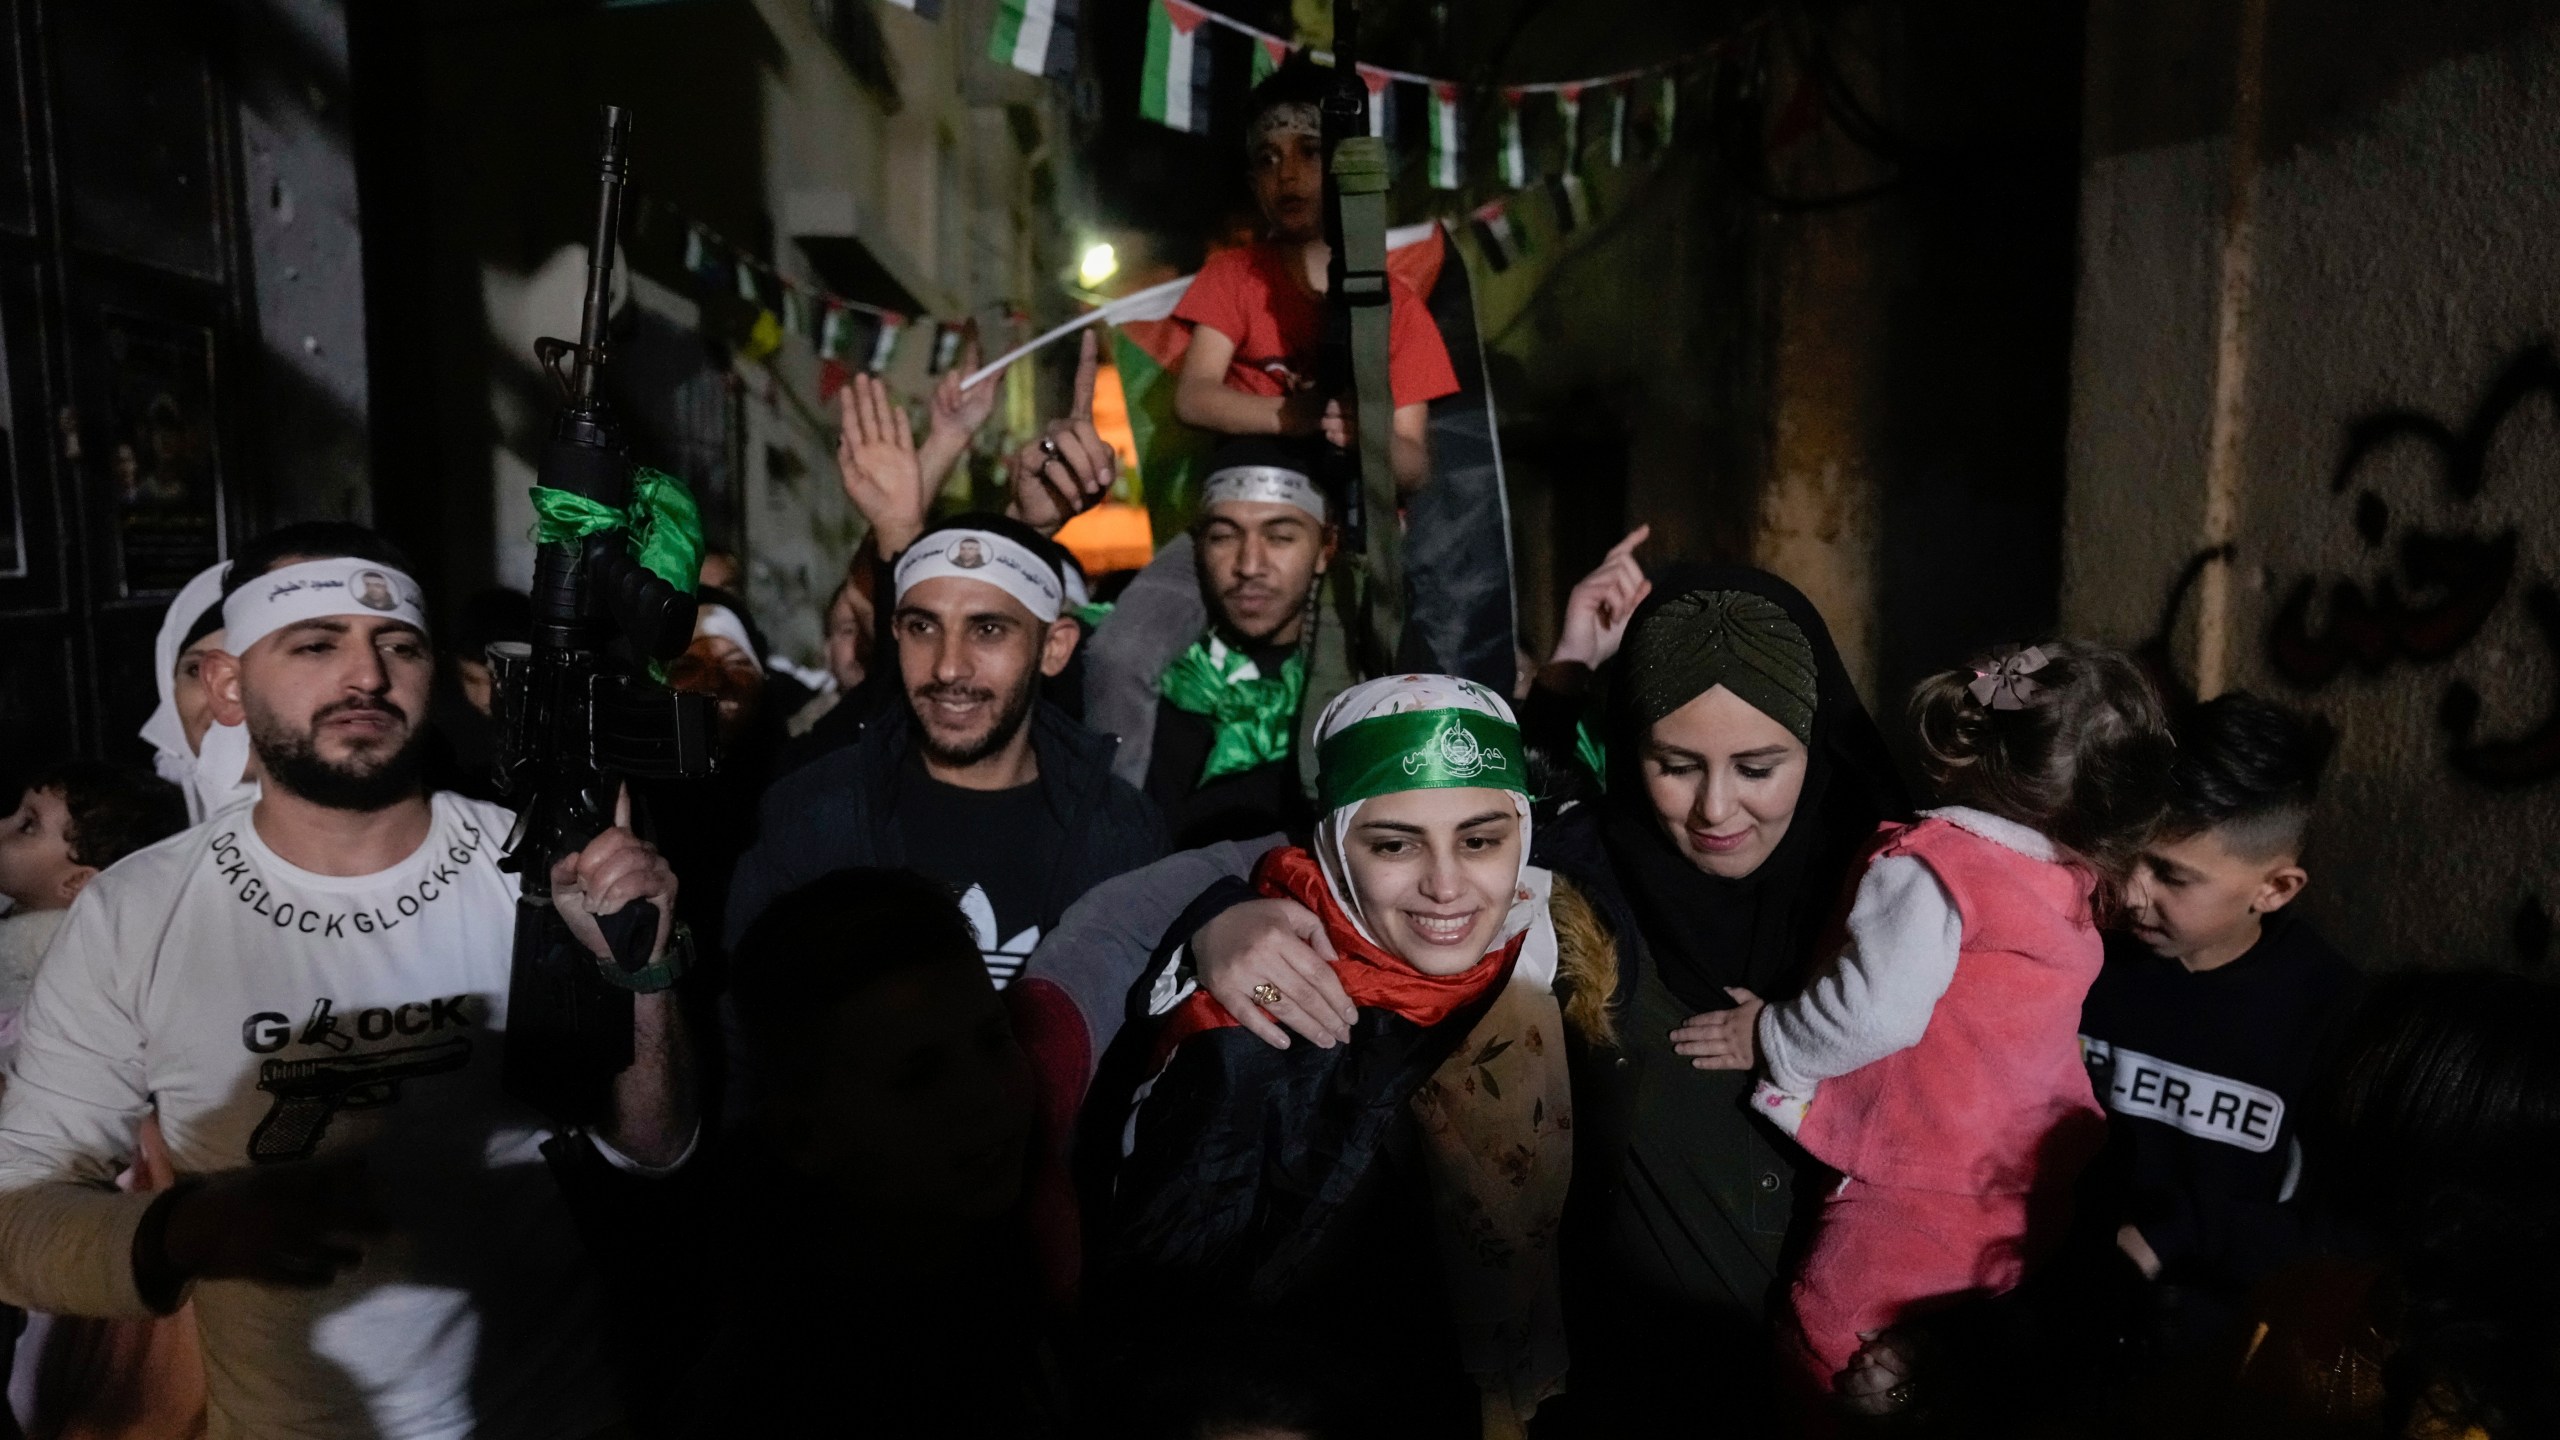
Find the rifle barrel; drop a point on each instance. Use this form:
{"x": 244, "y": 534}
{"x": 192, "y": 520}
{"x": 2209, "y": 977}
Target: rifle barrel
{"x": 614, "y": 168}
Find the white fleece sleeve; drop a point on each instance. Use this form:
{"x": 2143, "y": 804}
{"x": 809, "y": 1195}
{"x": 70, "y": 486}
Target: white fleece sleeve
{"x": 76, "y": 1095}
{"x": 1876, "y": 996}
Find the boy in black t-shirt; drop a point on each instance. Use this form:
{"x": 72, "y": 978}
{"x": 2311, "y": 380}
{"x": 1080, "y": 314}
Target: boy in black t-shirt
{"x": 2204, "y": 1030}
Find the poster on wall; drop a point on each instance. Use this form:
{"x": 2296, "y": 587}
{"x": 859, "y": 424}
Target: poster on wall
{"x": 157, "y": 448}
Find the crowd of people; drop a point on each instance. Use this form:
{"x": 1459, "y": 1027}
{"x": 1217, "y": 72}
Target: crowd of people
{"x": 1064, "y": 1019}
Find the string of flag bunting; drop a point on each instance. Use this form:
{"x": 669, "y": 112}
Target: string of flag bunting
{"x": 851, "y": 332}
{"x": 1038, "y": 37}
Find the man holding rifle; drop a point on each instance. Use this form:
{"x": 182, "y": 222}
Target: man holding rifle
{"x": 312, "y": 991}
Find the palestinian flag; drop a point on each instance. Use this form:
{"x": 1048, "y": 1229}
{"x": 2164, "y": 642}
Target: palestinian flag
{"x": 795, "y": 310}
{"x": 947, "y": 339}
{"x": 1569, "y": 110}
{"x": 835, "y": 333}
{"x": 1573, "y": 201}
{"x": 1515, "y": 157}
{"x": 1382, "y": 102}
{"x": 1617, "y": 124}
{"x": 885, "y": 344}
{"x": 1268, "y": 53}
{"x": 1444, "y": 137}
{"x": 1036, "y": 37}
{"x": 1173, "y": 89}
{"x": 929, "y": 9}
{"x": 1500, "y": 237}
{"x": 748, "y": 290}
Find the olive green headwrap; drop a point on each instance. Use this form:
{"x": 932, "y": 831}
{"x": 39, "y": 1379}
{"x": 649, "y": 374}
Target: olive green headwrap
{"x": 1744, "y": 642}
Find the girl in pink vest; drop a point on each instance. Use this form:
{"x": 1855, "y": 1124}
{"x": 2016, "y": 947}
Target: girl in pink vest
{"x": 1935, "y": 1062}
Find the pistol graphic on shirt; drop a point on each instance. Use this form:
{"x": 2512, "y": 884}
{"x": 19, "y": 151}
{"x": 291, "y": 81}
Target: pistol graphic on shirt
{"x": 309, "y": 1092}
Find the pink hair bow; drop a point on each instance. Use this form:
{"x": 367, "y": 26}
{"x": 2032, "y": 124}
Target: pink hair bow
{"x": 2005, "y": 685}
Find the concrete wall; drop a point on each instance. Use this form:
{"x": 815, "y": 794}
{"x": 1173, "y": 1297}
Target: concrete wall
{"x": 2317, "y": 297}
{"x": 306, "y": 259}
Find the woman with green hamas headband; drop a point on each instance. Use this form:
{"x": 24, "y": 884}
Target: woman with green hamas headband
{"x": 1418, "y": 1174}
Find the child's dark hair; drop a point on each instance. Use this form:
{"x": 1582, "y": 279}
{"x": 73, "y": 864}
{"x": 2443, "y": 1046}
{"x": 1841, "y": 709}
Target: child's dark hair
{"x": 114, "y": 809}
{"x": 826, "y": 940}
{"x": 2083, "y": 757}
{"x": 2248, "y": 769}
{"x": 1298, "y": 81}
{"x": 312, "y": 539}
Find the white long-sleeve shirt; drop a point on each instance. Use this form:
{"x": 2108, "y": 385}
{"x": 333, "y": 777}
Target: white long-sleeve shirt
{"x": 1876, "y": 996}
{"x": 209, "y": 978}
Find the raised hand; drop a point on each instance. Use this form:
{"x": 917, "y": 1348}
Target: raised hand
{"x": 1596, "y": 614}
{"x": 1069, "y": 469}
{"x": 956, "y": 415}
{"x": 963, "y": 410}
{"x": 876, "y": 459}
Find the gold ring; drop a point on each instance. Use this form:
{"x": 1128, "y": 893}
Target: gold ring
{"x": 1266, "y": 993}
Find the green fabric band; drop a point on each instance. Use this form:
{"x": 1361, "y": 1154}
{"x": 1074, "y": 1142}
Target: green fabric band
{"x": 1255, "y": 718}
{"x": 664, "y": 523}
{"x": 1420, "y": 750}
{"x": 1733, "y": 638}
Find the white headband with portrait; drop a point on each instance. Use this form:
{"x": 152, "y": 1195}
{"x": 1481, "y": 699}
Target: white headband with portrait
{"x": 1268, "y": 484}
{"x": 315, "y": 590}
{"x": 990, "y": 559}
{"x": 1290, "y": 117}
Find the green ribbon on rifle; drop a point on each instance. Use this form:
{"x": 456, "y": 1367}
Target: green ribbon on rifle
{"x": 664, "y": 523}
{"x": 1254, "y": 716}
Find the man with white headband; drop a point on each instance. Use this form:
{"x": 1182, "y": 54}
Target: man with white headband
{"x": 1257, "y": 311}
{"x": 311, "y": 988}
{"x": 1201, "y": 669}
{"x": 975, "y": 780}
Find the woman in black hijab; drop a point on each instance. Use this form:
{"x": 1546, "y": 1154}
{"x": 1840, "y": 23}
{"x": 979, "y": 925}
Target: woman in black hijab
{"x": 1726, "y": 681}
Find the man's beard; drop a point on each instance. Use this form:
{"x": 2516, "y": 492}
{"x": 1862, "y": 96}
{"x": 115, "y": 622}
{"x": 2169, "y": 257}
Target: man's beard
{"x": 293, "y": 763}
{"x": 1225, "y": 618}
{"x": 1009, "y": 722}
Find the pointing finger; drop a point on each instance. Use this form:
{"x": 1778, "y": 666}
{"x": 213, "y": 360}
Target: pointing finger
{"x": 1626, "y": 548}
{"x": 1088, "y": 364}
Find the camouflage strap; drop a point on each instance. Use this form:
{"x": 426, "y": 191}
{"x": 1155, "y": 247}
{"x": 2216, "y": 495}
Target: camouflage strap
{"x": 1360, "y": 181}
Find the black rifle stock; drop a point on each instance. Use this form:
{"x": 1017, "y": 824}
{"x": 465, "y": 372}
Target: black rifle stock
{"x": 579, "y": 718}
{"x": 309, "y": 1093}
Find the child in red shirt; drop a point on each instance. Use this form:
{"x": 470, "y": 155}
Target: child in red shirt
{"x": 1257, "y": 311}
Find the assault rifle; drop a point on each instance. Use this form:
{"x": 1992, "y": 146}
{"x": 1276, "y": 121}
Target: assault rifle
{"x": 579, "y": 717}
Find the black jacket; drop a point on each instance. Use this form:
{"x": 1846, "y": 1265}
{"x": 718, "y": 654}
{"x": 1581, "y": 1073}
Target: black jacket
{"x": 831, "y": 814}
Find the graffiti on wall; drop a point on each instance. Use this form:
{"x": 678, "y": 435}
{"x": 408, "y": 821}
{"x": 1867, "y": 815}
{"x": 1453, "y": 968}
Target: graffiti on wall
{"x": 2442, "y": 585}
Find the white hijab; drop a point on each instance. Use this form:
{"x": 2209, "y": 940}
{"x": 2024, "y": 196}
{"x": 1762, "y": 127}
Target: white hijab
{"x": 214, "y": 776}
{"x": 1394, "y": 695}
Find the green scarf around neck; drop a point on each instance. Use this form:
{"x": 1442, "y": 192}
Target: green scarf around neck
{"x": 1254, "y": 715}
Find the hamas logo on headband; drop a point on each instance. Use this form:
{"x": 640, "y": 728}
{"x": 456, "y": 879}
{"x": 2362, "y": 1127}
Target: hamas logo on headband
{"x": 969, "y": 555}
{"x": 1456, "y": 751}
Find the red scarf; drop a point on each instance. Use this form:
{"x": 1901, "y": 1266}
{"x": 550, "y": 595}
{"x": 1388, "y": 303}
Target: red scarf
{"x": 1373, "y": 978}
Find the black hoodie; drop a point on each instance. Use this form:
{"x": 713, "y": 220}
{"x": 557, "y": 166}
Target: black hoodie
{"x": 2204, "y": 1075}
